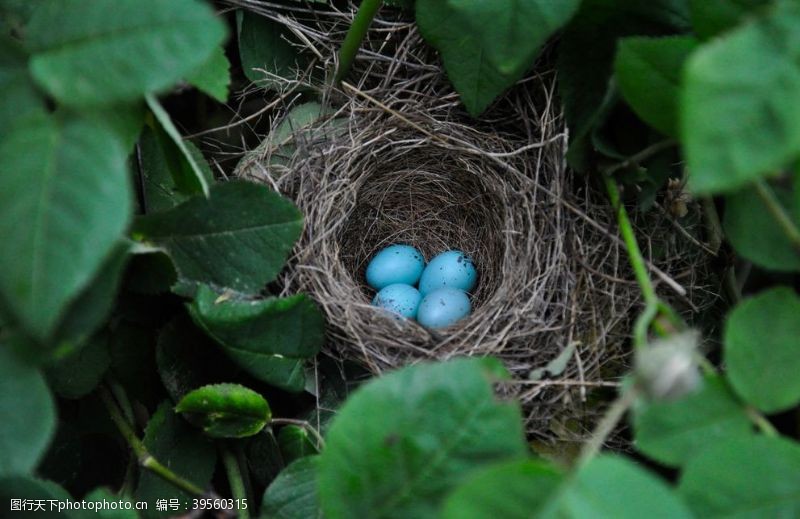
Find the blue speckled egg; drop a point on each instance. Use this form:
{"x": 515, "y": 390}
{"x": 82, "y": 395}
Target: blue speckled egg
{"x": 400, "y": 299}
{"x": 443, "y": 307}
{"x": 452, "y": 269}
{"x": 395, "y": 264}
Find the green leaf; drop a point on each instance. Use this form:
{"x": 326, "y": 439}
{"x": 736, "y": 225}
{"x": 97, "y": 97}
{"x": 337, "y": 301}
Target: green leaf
{"x": 269, "y": 338}
{"x": 616, "y": 488}
{"x": 712, "y": 17}
{"x": 226, "y": 410}
{"x": 741, "y": 103}
{"x": 125, "y": 121}
{"x": 205, "y": 237}
{"x": 401, "y": 442}
{"x": 265, "y": 44}
{"x": 93, "y": 52}
{"x": 514, "y": 490}
{"x": 180, "y": 447}
{"x": 67, "y": 179}
{"x": 28, "y": 415}
{"x": 744, "y": 477}
{"x": 754, "y": 232}
{"x": 77, "y": 374}
{"x": 32, "y": 490}
{"x": 484, "y": 59}
{"x": 673, "y": 432}
{"x": 608, "y": 487}
{"x": 648, "y": 73}
{"x": 214, "y": 76}
{"x": 264, "y": 456}
{"x": 586, "y": 57}
{"x": 762, "y": 346}
{"x": 20, "y": 98}
{"x": 293, "y": 494}
{"x": 159, "y": 189}
{"x": 14, "y": 14}
{"x": 187, "y": 359}
{"x": 189, "y": 180}
{"x": 91, "y": 307}
{"x": 295, "y": 443}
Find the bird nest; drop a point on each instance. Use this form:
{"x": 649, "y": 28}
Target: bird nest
{"x": 393, "y": 158}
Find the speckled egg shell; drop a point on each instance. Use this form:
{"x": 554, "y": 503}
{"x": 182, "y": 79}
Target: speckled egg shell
{"x": 395, "y": 264}
{"x": 443, "y": 307}
{"x": 400, "y": 299}
{"x": 451, "y": 269}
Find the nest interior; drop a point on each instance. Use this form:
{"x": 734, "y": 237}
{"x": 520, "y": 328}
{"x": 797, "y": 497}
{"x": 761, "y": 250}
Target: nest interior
{"x": 393, "y": 158}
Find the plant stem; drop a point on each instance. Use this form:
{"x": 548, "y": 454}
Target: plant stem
{"x": 234, "y": 478}
{"x": 122, "y": 400}
{"x": 606, "y": 426}
{"x": 352, "y": 41}
{"x": 778, "y": 212}
{"x": 146, "y": 460}
{"x": 760, "y": 421}
{"x": 634, "y": 252}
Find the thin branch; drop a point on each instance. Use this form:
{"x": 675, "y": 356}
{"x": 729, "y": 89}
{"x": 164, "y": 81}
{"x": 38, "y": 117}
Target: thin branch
{"x": 146, "y": 460}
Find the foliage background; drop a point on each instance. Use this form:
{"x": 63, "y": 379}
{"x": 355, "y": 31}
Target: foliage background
{"x": 142, "y": 358}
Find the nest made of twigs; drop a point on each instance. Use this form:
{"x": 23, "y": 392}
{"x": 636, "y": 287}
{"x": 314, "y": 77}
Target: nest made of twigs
{"x": 393, "y": 158}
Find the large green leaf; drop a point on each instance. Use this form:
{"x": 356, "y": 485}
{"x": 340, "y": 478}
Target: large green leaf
{"x": 28, "y": 415}
{"x": 762, "y": 349}
{"x": 586, "y": 57}
{"x": 401, "y": 442}
{"x": 741, "y": 103}
{"x": 673, "y": 432}
{"x": 756, "y": 234}
{"x": 87, "y": 312}
{"x": 293, "y": 494}
{"x": 226, "y": 410}
{"x": 184, "y": 450}
{"x": 648, "y": 73}
{"x": 191, "y": 179}
{"x": 90, "y": 52}
{"x": 487, "y": 46}
{"x": 265, "y": 49}
{"x": 19, "y": 94}
{"x": 159, "y": 189}
{"x": 270, "y": 338}
{"x": 124, "y": 120}
{"x": 214, "y": 76}
{"x": 712, "y": 17}
{"x": 613, "y": 487}
{"x": 207, "y": 238}
{"x": 514, "y": 490}
{"x": 745, "y": 478}
{"x": 66, "y": 179}
{"x": 32, "y": 491}
{"x": 609, "y": 487}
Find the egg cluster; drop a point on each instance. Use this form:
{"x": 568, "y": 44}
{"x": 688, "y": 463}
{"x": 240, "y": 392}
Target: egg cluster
{"x": 440, "y": 298}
